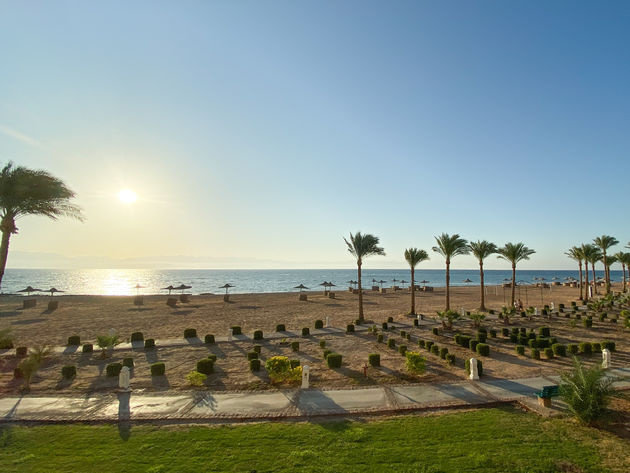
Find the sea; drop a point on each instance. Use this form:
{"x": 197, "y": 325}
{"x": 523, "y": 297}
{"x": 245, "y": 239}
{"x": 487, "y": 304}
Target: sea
{"x": 123, "y": 282}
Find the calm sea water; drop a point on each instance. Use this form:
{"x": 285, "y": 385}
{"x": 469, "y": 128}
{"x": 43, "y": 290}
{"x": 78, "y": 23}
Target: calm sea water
{"x": 123, "y": 281}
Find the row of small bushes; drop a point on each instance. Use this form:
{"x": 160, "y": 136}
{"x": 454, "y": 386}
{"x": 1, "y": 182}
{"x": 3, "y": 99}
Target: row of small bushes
{"x": 114, "y": 369}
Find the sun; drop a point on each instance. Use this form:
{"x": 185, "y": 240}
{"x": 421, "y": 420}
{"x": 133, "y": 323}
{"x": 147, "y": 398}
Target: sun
{"x": 127, "y": 196}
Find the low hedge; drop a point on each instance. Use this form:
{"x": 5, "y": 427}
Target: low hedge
{"x": 251, "y": 355}
{"x": 384, "y": 325}
{"x": 190, "y": 333}
{"x": 596, "y": 347}
{"x": 113, "y": 369}
{"x": 493, "y": 333}
{"x": 137, "y": 337}
{"x": 295, "y": 346}
{"x": 473, "y": 345}
{"x": 559, "y": 349}
{"x": 428, "y": 344}
{"x": 128, "y": 362}
{"x": 149, "y": 344}
{"x": 158, "y": 369}
{"x": 205, "y": 366}
{"x": 450, "y": 358}
{"x": 334, "y": 360}
{"x": 254, "y": 365}
{"x": 535, "y": 353}
{"x": 573, "y": 348}
{"x": 319, "y": 324}
{"x": 482, "y": 337}
{"x": 483, "y": 349}
{"x": 608, "y": 344}
{"x": 548, "y": 352}
{"x": 281, "y": 328}
{"x": 435, "y": 349}
{"x": 520, "y": 350}
{"x": 421, "y": 343}
{"x": 588, "y": 322}
{"x": 258, "y": 334}
{"x": 88, "y": 348}
{"x": 391, "y": 343}
{"x": 379, "y": 338}
{"x": 586, "y": 348}
{"x": 74, "y": 340}
{"x": 350, "y": 328}
{"x": 69, "y": 371}
{"x": 305, "y": 332}
{"x": 236, "y": 330}
{"x": 374, "y": 359}
{"x": 209, "y": 339}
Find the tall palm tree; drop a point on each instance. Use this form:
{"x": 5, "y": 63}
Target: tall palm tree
{"x": 624, "y": 260}
{"x": 26, "y": 191}
{"x": 612, "y": 259}
{"x": 361, "y": 246}
{"x": 514, "y": 253}
{"x": 575, "y": 253}
{"x": 414, "y": 257}
{"x": 592, "y": 255}
{"x": 604, "y": 242}
{"x": 450, "y": 246}
{"x": 481, "y": 250}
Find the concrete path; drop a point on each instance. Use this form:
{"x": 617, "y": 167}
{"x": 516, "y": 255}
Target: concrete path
{"x": 289, "y": 404}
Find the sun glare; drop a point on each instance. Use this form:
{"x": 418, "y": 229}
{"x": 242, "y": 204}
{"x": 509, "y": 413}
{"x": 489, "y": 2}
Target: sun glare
{"x": 127, "y": 196}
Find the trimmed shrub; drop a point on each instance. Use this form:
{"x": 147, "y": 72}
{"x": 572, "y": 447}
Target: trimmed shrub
{"x": 482, "y": 337}
{"x": 493, "y": 333}
{"x": 421, "y": 343}
{"x": 596, "y": 347}
{"x": 416, "y": 323}
{"x": 548, "y": 353}
{"x": 384, "y": 325}
{"x": 137, "y": 337}
{"x": 69, "y": 371}
{"x": 251, "y": 355}
{"x": 158, "y": 369}
{"x": 520, "y": 350}
{"x": 149, "y": 344}
{"x": 522, "y": 340}
{"x": 390, "y": 319}
{"x": 258, "y": 334}
{"x": 128, "y": 362}
{"x": 74, "y": 340}
{"x": 513, "y": 338}
{"x": 458, "y": 338}
{"x": 532, "y": 343}
{"x": 535, "y": 353}
{"x": 473, "y": 344}
{"x": 195, "y": 378}
{"x": 435, "y": 349}
{"x": 21, "y": 352}
{"x": 379, "y": 338}
{"x": 483, "y": 349}
{"x": 279, "y": 369}
{"x": 443, "y": 352}
{"x": 349, "y": 328}
{"x": 465, "y": 341}
{"x": 559, "y": 349}
{"x": 573, "y": 348}
{"x": 295, "y": 346}
{"x": 608, "y": 344}
{"x": 212, "y": 357}
{"x": 435, "y": 331}
{"x": 88, "y": 348}
{"x": 325, "y": 353}
{"x": 542, "y": 342}
{"x": 428, "y": 344}
{"x": 403, "y": 333}
{"x": 544, "y": 331}
{"x": 280, "y": 328}
{"x": 402, "y": 349}
{"x": 391, "y": 343}
{"x": 305, "y": 331}
{"x": 358, "y": 322}
{"x": 515, "y": 331}
{"x": 257, "y": 349}
{"x": 588, "y": 322}
{"x": 505, "y": 332}
{"x": 319, "y": 324}
{"x": 450, "y": 358}
{"x": 415, "y": 362}
{"x": 408, "y": 336}
{"x": 236, "y": 329}
{"x": 209, "y": 339}
{"x": 374, "y": 359}
{"x": 479, "y": 367}
{"x": 523, "y": 331}
{"x": 553, "y": 341}
{"x": 333, "y": 360}
{"x": 113, "y": 369}
{"x": 190, "y": 333}
{"x": 205, "y": 366}
{"x": 586, "y": 348}
{"x": 491, "y": 311}
{"x": 294, "y": 363}
{"x": 254, "y": 365}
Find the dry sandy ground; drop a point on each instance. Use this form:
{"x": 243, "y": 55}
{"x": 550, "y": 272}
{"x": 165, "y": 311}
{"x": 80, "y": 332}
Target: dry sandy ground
{"x": 89, "y": 316}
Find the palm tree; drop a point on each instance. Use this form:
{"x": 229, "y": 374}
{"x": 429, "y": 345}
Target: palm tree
{"x": 26, "y": 191}
{"x": 604, "y": 242}
{"x": 414, "y": 256}
{"x": 514, "y": 253}
{"x": 361, "y": 246}
{"x": 449, "y": 247}
{"x": 481, "y": 250}
{"x": 575, "y": 253}
{"x": 624, "y": 260}
{"x": 592, "y": 255}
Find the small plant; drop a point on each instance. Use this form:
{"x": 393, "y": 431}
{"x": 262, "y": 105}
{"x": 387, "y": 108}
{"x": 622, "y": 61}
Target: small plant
{"x": 69, "y": 371}
{"x": 349, "y": 328}
{"x": 403, "y": 333}
{"x": 535, "y": 353}
{"x": 195, "y": 378}
{"x": 596, "y": 347}
{"x": 190, "y": 333}
{"x": 128, "y": 362}
{"x": 573, "y": 348}
{"x": 137, "y": 337}
{"x": 477, "y": 318}
{"x": 113, "y": 369}
{"x": 520, "y": 350}
{"x": 384, "y": 325}
{"x": 149, "y": 344}
{"x": 390, "y": 319}
{"x": 258, "y": 334}
{"x": 435, "y": 349}
{"x": 472, "y": 344}
{"x": 482, "y": 337}
{"x": 544, "y": 331}
{"x": 6, "y": 338}
{"x": 588, "y": 322}
{"x": 294, "y": 363}
{"x": 450, "y": 359}
{"x": 379, "y": 338}
{"x": 402, "y": 349}
{"x": 415, "y": 362}
{"x": 391, "y": 343}
{"x": 281, "y": 328}
{"x": 374, "y": 359}
{"x": 236, "y": 330}
{"x": 443, "y": 352}
{"x": 448, "y": 317}
{"x": 586, "y": 348}
{"x": 493, "y": 333}
{"x": 107, "y": 343}
{"x": 319, "y": 324}
{"x": 559, "y": 349}
{"x": 421, "y": 343}
{"x": 333, "y": 360}
{"x": 74, "y": 340}
{"x": 428, "y": 344}
{"x": 208, "y": 339}
{"x": 587, "y": 391}
{"x": 254, "y": 365}
{"x": 158, "y": 369}
{"x": 609, "y": 345}
{"x": 305, "y": 332}
{"x": 483, "y": 349}
{"x": 87, "y": 348}
{"x": 435, "y": 331}
{"x": 548, "y": 353}
{"x": 325, "y": 353}
{"x": 295, "y": 346}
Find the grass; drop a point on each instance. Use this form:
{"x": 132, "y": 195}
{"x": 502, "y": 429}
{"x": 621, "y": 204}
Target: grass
{"x": 487, "y": 440}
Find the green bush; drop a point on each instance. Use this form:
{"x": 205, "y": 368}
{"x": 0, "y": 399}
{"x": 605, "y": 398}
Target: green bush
{"x": 209, "y": 339}
{"x": 573, "y": 348}
{"x": 281, "y": 328}
{"x": 520, "y": 350}
{"x": 608, "y": 344}
{"x": 588, "y": 322}
{"x": 384, "y": 325}
{"x": 319, "y": 324}
{"x": 443, "y": 352}
{"x": 279, "y": 369}
{"x": 294, "y": 363}
{"x": 416, "y": 323}
{"x": 482, "y": 337}
{"x": 586, "y": 348}
{"x": 402, "y": 349}
{"x": 435, "y": 349}
{"x": 391, "y": 343}
{"x": 258, "y": 334}
{"x": 465, "y": 341}
{"x": 158, "y": 369}
{"x": 69, "y": 371}
{"x": 295, "y": 346}
{"x": 596, "y": 347}
{"x": 415, "y": 362}
{"x": 212, "y": 357}
{"x": 587, "y": 391}
{"x": 190, "y": 333}
{"x": 457, "y": 338}
{"x": 333, "y": 360}
{"x": 532, "y": 343}
{"x": 483, "y": 349}
{"x": 479, "y": 367}
{"x": 195, "y": 378}
{"x": 205, "y": 366}
{"x": 257, "y": 349}
{"x": 74, "y": 340}
{"x": 128, "y": 362}
{"x": 493, "y": 333}
{"x": 435, "y": 330}
{"x": 254, "y": 365}
{"x": 113, "y": 369}
{"x": 428, "y": 344}
{"x": 251, "y": 355}
{"x": 548, "y": 353}
{"x": 421, "y": 343}
{"x": 149, "y": 344}
{"x": 137, "y": 337}
{"x": 450, "y": 358}
{"x": 374, "y": 359}
{"x": 544, "y": 331}
{"x": 349, "y": 328}
{"x": 325, "y": 353}
{"x": 390, "y": 319}
{"x": 542, "y": 342}
{"x": 358, "y": 321}
{"x": 403, "y": 333}
{"x": 88, "y": 348}
{"x": 473, "y": 345}
{"x": 306, "y": 332}
{"x": 559, "y": 349}
{"x": 379, "y": 338}
{"x": 505, "y": 332}
{"x": 535, "y": 353}
{"x": 21, "y": 352}
{"x": 236, "y": 330}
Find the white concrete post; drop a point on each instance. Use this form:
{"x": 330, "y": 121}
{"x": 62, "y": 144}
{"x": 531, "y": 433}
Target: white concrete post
{"x": 605, "y": 358}
{"x": 230, "y": 335}
{"x": 123, "y": 378}
{"x": 536, "y": 313}
{"x": 552, "y": 306}
{"x": 463, "y": 312}
{"x": 474, "y": 374}
{"x": 305, "y": 377}
{"x": 327, "y": 322}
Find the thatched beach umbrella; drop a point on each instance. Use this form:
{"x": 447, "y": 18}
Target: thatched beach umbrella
{"x": 424, "y": 281}
{"x": 182, "y": 287}
{"x": 325, "y": 284}
{"x": 395, "y": 281}
{"x": 226, "y": 286}
{"x": 29, "y": 289}
{"x": 137, "y": 288}
{"x": 402, "y": 281}
{"x": 301, "y": 287}
{"x": 381, "y": 282}
{"x": 467, "y": 281}
{"x": 52, "y": 291}
{"x": 169, "y": 289}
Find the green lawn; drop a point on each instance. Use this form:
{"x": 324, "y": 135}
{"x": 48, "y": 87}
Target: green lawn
{"x": 486, "y": 440}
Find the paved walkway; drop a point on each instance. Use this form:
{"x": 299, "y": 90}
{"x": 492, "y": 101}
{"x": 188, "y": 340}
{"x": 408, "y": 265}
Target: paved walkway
{"x": 289, "y": 404}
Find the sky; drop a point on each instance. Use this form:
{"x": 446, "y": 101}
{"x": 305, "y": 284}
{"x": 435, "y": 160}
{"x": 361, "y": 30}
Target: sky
{"x": 258, "y": 134}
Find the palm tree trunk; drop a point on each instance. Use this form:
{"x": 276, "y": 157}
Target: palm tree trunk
{"x": 586, "y": 285}
{"x": 413, "y": 292}
{"x": 4, "y": 252}
{"x": 360, "y": 292}
{"x": 448, "y": 281}
{"x": 513, "y": 283}
{"x": 606, "y": 274}
{"x": 623, "y": 268}
{"x": 594, "y": 278}
{"x": 482, "y": 306}
{"x": 581, "y": 285}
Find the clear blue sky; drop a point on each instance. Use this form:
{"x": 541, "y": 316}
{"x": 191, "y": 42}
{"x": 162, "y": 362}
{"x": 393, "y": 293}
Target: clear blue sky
{"x": 257, "y": 134}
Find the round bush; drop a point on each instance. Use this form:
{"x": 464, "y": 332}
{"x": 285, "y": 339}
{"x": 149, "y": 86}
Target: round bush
{"x": 319, "y": 324}
{"x": 236, "y": 330}
{"x": 421, "y": 343}
{"x": 493, "y": 333}
{"x": 113, "y": 369}
{"x": 559, "y": 349}
{"x": 280, "y": 328}
{"x": 374, "y": 359}
{"x": 88, "y": 348}
{"x": 212, "y": 357}
{"x": 295, "y": 346}
{"x": 252, "y": 355}
{"x": 305, "y": 332}
{"x": 435, "y": 349}
{"x": 384, "y": 325}
{"x": 428, "y": 344}
{"x": 391, "y": 343}
{"x": 473, "y": 345}
{"x": 128, "y": 362}
{"x": 390, "y": 319}
{"x": 209, "y": 339}
{"x": 205, "y": 366}
{"x": 573, "y": 348}
{"x": 349, "y": 328}
{"x": 443, "y": 352}
{"x": 402, "y": 349}
{"x": 254, "y": 365}
{"x": 548, "y": 352}
{"x": 158, "y": 369}
{"x": 74, "y": 340}
{"x": 69, "y": 371}
{"x": 520, "y": 350}
{"x": 258, "y": 334}
{"x": 379, "y": 338}
{"x": 190, "y": 333}
{"x": 586, "y": 348}
{"x": 483, "y": 349}
{"x": 535, "y": 353}
{"x": 450, "y": 358}
{"x": 149, "y": 344}
{"x": 137, "y": 337}
{"x": 333, "y": 360}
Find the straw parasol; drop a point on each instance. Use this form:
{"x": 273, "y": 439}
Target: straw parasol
{"x": 182, "y": 287}
{"x": 467, "y": 281}
{"x": 402, "y": 281}
{"x": 381, "y": 282}
{"x": 301, "y": 287}
{"x": 29, "y": 289}
{"x": 52, "y": 291}
{"x": 137, "y": 288}
{"x": 226, "y": 286}
{"x": 325, "y": 284}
